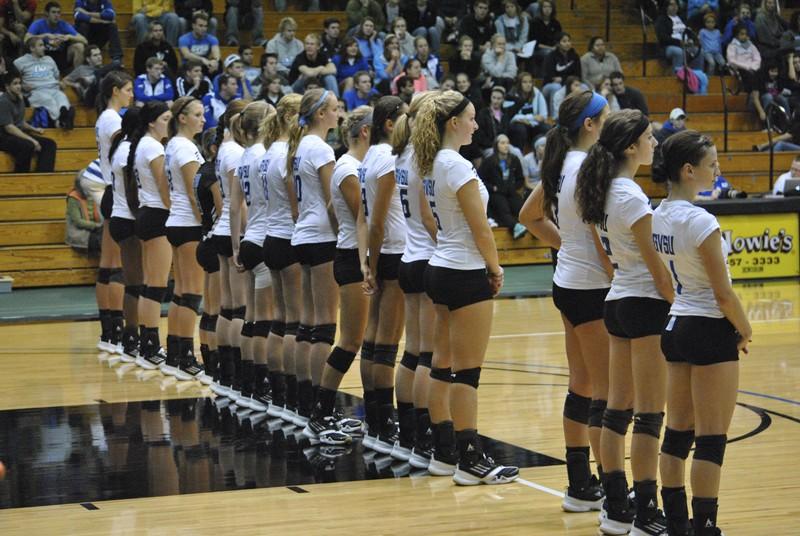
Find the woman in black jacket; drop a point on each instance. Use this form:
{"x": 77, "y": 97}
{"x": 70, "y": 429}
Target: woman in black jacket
{"x": 502, "y": 174}
{"x": 544, "y": 28}
{"x": 669, "y": 32}
{"x": 562, "y": 62}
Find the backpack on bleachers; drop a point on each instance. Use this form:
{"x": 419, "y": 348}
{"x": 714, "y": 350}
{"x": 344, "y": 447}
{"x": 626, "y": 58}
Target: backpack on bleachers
{"x": 40, "y": 119}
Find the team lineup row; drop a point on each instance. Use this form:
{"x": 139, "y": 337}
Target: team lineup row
{"x": 276, "y": 237}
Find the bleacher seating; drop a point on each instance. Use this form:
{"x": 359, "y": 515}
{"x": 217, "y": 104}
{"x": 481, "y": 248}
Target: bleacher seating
{"x": 32, "y": 206}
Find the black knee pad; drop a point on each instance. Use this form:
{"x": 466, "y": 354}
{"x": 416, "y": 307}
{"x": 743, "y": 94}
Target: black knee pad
{"x": 292, "y": 327}
{"x": 303, "y": 333}
{"x": 367, "y": 351}
{"x": 192, "y": 301}
{"x": 133, "y": 290}
{"x": 239, "y": 312}
{"x": 409, "y": 361}
{"x": 385, "y": 354}
{"x": 596, "y": 410}
{"x": 341, "y": 359}
{"x": 710, "y": 448}
{"x": 177, "y": 299}
{"x": 261, "y": 328}
{"x": 617, "y": 420}
{"x": 103, "y": 275}
{"x": 156, "y": 294}
{"x": 425, "y": 359}
{"x": 470, "y": 376}
{"x": 247, "y": 329}
{"x": 323, "y": 333}
{"x": 227, "y": 314}
{"x": 278, "y": 328}
{"x": 206, "y": 324}
{"x": 577, "y": 407}
{"x": 442, "y": 374}
{"x": 648, "y": 423}
{"x": 116, "y": 276}
{"x": 677, "y": 443}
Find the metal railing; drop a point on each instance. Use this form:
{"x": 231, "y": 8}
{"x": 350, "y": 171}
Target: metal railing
{"x": 645, "y": 20}
{"x": 608, "y": 17}
{"x": 780, "y": 113}
{"x": 724, "y": 86}
{"x": 685, "y": 85}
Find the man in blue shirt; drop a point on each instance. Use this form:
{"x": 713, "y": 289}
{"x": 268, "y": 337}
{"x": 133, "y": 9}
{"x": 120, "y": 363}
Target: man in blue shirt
{"x": 361, "y": 93}
{"x": 199, "y": 45}
{"x": 153, "y": 85}
{"x": 96, "y": 20}
{"x": 215, "y": 104}
{"x": 62, "y": 43}
{"x": 234, "y": 67}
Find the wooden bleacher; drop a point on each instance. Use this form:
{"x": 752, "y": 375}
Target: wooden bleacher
{"x": 32, "y": 206}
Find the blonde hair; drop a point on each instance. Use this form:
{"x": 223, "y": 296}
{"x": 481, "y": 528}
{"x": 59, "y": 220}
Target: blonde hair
{"x": 278, "y": 123}
{"x": 401, "y": 134}
{"x": 351, "y": 120}
{"x": 179, "y": 107}
{"x": 248, "y": 123}
{"x": 429, "y": 128}
{"x": 296, "y": 132}
{"x": 287, "y": 22}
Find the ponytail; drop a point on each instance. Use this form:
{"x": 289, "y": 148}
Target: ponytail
{"x": 354, "y": 122}
{"x": 114, "y": 79}
{"x": 146, "y": 115}
{"x": 277, "y": 124}
{"x": 401, "y": 134}
{"x": 130, "y": 122}
{"x": 426, "y": 136}
{"x": 312, "y": 101}
{"x": 386, "y": 109}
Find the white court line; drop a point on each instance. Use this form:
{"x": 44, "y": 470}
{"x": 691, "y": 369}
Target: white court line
{"x": 545, "y": 489}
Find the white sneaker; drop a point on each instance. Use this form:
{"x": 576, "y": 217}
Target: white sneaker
{"x": 168, "y": 370}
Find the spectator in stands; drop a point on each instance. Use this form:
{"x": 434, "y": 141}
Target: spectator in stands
{"x": 743, "y": 15}
{"x": 285, "y": 45}
{"x": 251, "y": 72}
{"x": 532, "y": 164}
{"x": 186, "y": 8}
{"x": 529, "y": 112}
{"x": 311, "y": 63}
{"x": 330, "y": 41}
{"x": 269, "y": 69}
{"x": 697, "y": 10}
{"x": 572, "y": 84}
{"x": 96, "y": 20}
{"x": 793, "y": 79}
{"x": 199, "y": 46}
{"x": 40, "y": 81}
{"x": 391, "y": 12}
{"x": 17, "y": 137}
{"x": 193, "y": 82}
{"x": 14, "y": 19}
{"x": 513, "y": 26}
{"x": 349, "y": 62}
{"x": 769, "y": 88}
{"x": 146, "y": 11}
{"x": 358, "y": 10}
{"x": 466, "y": 60}
{"x": 676, "y": 123}
{"x": 788, "y": 141}
{"x": 368, "y": 40}
{"x": 478, "y": 25}
{"x": 471, "y": 91}
{"x": 234, "y": 68}
{"x": 271, "y": 90}
{"x": 451, "y": 12}
{"x": 423, "y": 20}
{"x": 215, "y": 104}
{"x": 389, "y": 64}
{"x": 412, "y": 72}
{"x": 598, "y": 63}
{"x": 794, "y": 27}
{"x": 280, "y": 5}
{"x": 669, "y": 31}
{"x": 448, "y": 82}
{"x": 545, "y": 30}
{"x": 234, "y": 17}
{"x": 792, "y": 174}
{"x": 155, "y": 46}
{"x": 492, "y": 121}
{"x": 604, "y": 89}
{"x": 404, "y": 39}
{"x": 770, "y": 27}
{"x": 628, "y": 97}
{"x": 502, "y": 174}
{"x": 405, "y": 88}
{"x": 62, "y": 42}
{"x": 711, "y": 45}
{"x": 84, "y": 79}
{"x": 84, "y": 224}
{"x": 744, "y": 57}
{"x": 153, "y": 85}
{"x": 499, "y": 64}
{"x": 560, "y": 63}
{"x": 361, "y": 94}
{"x": 431, "y": 66}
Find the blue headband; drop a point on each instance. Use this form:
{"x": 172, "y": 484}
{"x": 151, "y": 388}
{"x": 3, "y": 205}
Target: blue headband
{"x": 594, "y": 107}
{"x": 303, "y": 121}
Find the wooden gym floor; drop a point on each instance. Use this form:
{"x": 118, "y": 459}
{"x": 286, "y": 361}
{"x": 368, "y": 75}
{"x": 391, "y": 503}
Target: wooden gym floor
{"x": 65, "y": 415}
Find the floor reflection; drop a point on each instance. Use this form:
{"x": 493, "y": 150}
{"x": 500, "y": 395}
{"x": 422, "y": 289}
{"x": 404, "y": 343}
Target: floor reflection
{"x": 81, "y": 454}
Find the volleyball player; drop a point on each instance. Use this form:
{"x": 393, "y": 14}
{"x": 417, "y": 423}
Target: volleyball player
{"x": 145, "y": 169}
{"x": 280, "y": 258}
{"x": 349, "y": 265}
{"x": 232, "y": 284}
{"x": 580, "y": 284}
{"x": 706, "y": 330}
{"x": 415, "y": 439}
{"x": 248, "y": 253}
{"x": 122, "y": 227}
{"x": 116, "y": 93}
{"x": 184, "y": 232}
{"x": 635, "y": 310}
{"x": 386, "y": 240}
{"x": 310, "y": 161}
{"x": 463, "y": 274}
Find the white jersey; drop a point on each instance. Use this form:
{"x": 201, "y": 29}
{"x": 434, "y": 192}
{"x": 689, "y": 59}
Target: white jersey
{"x": 380, "y": 161}
{"x": 180, "y": 151}
{"x": 579, "y": 266}
{"x": 419, "y": 244}
{"x": 228, "y": 157}
{"x": 625, "y": 205}
{"x": 107, "y": 124}
{"x": 455, "y": 246}
{"x": 346, "y": 166}
{"x": 254, "y": 194}
{"x": 679, "y": 228}
{"x": 313, "y": 225}
{"x": 148, "y": 150}
{"x": 119, "y": 162}
{"x": 279, "y": 210}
